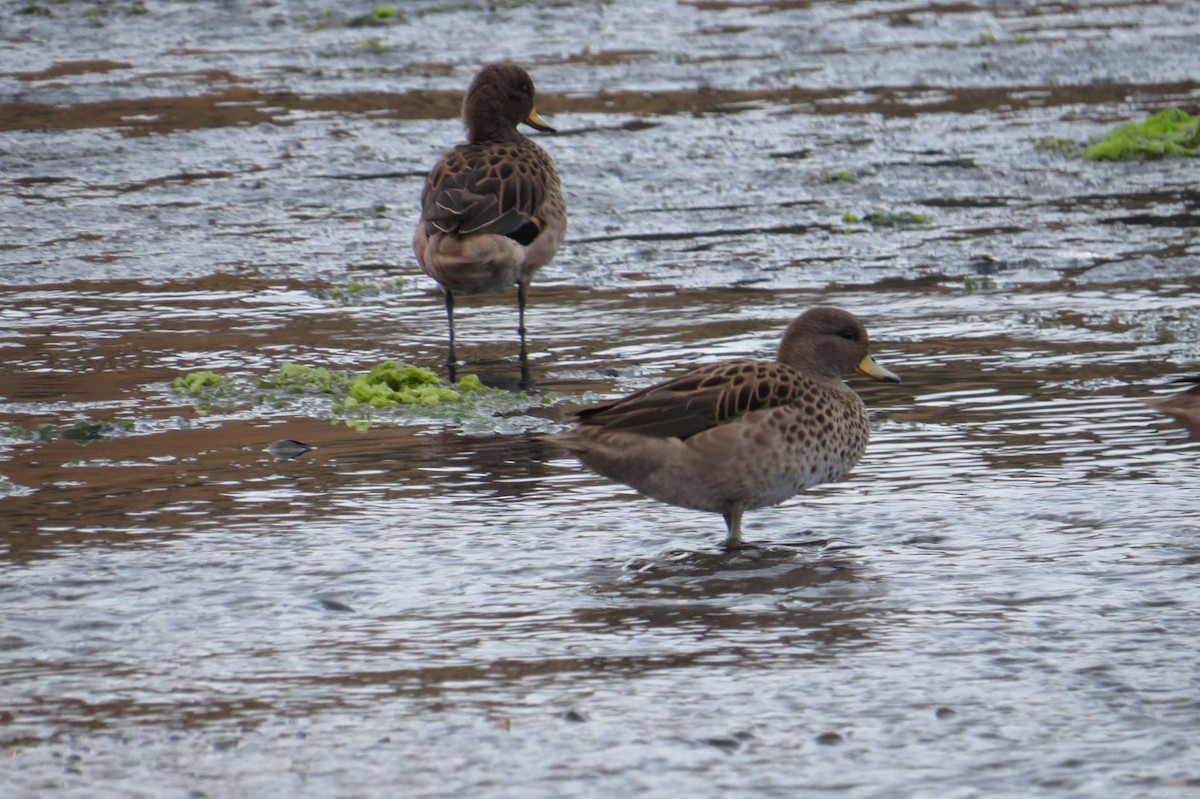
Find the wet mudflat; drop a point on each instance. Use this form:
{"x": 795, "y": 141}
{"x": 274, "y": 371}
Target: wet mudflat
{"x": 1001, "y": 601}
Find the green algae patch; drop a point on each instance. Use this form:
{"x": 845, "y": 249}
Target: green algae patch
{"x": 881, "y": 219}
{"x": 885, "y": 218}
{"x": 390, "y": 393}
{"x": 391, "y": 385}
{"x": 988, "y": 38}
{"x": 198, "y": 382}
{"x": 205, "y": 388}
{"x": 1170, "y": 132}
{"x": 380, "y": 15}
{"x": 295, "y": 378}
{"x": 358, "y": 291}
{"x": 81, "y": 431}
{"x": 1060, "y": 145}
{"x": 890, "y": 219}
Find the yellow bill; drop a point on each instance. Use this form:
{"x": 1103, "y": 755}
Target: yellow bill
{"x": 876, "y": 372}
{"x": 537, "y": 123}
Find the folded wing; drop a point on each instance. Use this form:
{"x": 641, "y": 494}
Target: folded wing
{"x": 476, "y": 191}
{"x": 701, "y": 399}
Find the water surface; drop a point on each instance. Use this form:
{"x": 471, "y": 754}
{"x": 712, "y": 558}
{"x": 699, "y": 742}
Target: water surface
{"x": 1000, "y": 601}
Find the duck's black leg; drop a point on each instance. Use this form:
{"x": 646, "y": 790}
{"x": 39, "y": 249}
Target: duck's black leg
{"x": 526, "y": 379}
{"x": 733, "y": 524}
{"x": 451, "y": 358}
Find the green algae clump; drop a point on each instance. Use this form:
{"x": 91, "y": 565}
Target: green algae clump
{"x": 390, "y": 385}
{"x": 1169, "y": 132}
{"x": 390, "y": 393}
{"x": 197, "y": 383}
{"x": 1067, "y": 147}
{"x": 383, "y": 13}
{"x": 888, "y": 219}
{"x": 380, "y": 15}
{"x": 299, "y": 379}
{"x": 82, "y": 431}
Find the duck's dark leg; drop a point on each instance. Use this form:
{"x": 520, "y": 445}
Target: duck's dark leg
{"x": 451, "y": 358}
{"x": 733, "y": 523}
{"x": 522, "y": 297}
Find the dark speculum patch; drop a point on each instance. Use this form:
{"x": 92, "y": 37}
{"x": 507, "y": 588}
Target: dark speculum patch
{"x": 525, "y": 234}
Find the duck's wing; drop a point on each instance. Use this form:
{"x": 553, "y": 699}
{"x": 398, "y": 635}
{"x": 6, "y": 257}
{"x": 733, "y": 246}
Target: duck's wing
{"x": 701, "y": 399}
{"x": 477, "y": 189}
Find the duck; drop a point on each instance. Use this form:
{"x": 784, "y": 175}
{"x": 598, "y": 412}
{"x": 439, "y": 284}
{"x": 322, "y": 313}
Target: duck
{"x": 741, "y": 434}
{"x": 1184, "y": 406}
{"x": 492, "y": 208}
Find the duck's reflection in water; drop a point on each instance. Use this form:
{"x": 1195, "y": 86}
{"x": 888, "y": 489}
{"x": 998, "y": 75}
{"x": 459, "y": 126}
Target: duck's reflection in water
{"x": 761, "y": 604}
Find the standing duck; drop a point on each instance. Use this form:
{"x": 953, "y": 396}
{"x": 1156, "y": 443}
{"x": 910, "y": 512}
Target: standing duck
{"x": 742, "y": 434}
{"x": 492, "y": 210}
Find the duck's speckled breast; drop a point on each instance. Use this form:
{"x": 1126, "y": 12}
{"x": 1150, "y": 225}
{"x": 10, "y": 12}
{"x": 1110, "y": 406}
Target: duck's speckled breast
{"x": 773, "y": 454}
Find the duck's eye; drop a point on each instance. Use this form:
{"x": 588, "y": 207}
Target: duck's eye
{"x": 849, "y": 333}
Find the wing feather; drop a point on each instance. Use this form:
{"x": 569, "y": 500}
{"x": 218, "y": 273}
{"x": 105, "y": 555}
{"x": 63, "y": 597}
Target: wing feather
{"x": 479, "y": 189}
{"x": 701, "y": 399}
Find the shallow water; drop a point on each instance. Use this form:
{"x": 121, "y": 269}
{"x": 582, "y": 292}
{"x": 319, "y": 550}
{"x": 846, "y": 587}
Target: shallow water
{"x": 1000, "y": 601}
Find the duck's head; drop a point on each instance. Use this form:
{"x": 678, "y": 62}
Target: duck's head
{"x": 832, "y": 343}
{"x": 498, "y": 99}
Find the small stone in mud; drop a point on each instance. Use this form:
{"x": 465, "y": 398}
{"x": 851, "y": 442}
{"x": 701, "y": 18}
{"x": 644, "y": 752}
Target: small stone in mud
{"x": 333, "y": 604}
{"x": 286, "y": 448}
{"x": 727, "y": 745}
{"x": 924, "y": 538}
